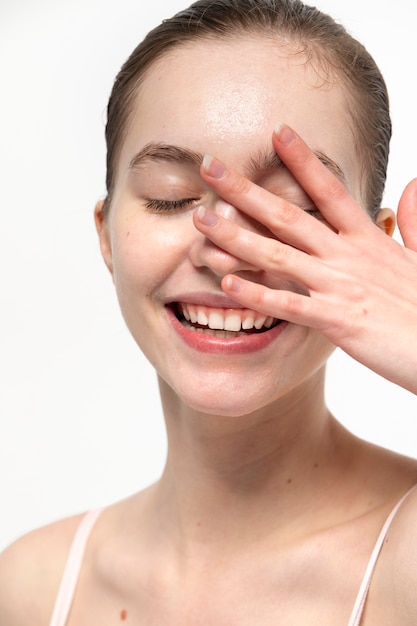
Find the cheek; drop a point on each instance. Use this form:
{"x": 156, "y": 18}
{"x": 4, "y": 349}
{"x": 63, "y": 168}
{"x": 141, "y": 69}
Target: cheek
{"x": 144, "y": 253}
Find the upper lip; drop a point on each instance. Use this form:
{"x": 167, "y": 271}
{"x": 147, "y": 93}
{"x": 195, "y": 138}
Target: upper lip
{"x": 218, "y": 300}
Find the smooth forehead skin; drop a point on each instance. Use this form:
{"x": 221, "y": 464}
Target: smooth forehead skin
{"x": 225, "y": 99}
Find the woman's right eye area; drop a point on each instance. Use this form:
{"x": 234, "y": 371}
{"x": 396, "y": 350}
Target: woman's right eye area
{"x": 156, "y": 205}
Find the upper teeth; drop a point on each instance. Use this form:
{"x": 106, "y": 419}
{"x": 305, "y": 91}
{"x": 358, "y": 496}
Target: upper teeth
{"x": 225, "y": 319}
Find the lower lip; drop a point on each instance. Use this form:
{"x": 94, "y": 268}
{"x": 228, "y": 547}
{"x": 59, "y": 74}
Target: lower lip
{"x": 203, "y": 342}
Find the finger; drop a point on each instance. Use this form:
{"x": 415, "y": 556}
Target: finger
{"x": 322, "y": 179}
{"x": 286, "y": 305}
{"x": 285, "y": 220}
{"x": 407, "y": 215}
{"x": 265, "y": 253}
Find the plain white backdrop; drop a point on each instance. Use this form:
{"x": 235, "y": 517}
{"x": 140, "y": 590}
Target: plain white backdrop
{"x": 80, "y": 419}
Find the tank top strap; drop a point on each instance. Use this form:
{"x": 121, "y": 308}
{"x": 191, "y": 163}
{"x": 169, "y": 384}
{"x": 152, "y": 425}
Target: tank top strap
{"x": 75, "y": 558}
{"x": 72, "y": 569}
{"x": 359, "y": 606}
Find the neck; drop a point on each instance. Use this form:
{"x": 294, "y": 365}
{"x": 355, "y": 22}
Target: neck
{"x": 221, "y": 472}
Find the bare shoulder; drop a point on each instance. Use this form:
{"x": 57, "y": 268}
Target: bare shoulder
{"x": 30, "y": 572}
{"x": 395, "y": 578}
{"x": 403, "y": 549}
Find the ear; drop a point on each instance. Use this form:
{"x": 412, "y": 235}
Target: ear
{"x": 102, "y": 227}
{"x": 386, "y": 221}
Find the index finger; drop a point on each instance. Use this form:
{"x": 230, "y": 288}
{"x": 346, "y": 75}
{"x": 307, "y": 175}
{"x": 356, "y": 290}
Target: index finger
{"x": 322, "y": 179}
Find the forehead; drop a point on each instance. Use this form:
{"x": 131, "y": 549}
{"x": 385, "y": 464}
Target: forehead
{"x": 226, "y": 97}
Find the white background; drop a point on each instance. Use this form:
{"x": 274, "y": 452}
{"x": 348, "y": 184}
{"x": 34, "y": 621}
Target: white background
{"x": 80, "y": 420}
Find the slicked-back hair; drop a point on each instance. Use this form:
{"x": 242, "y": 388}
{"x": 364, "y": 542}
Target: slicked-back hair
{"x": 318, "y": 36}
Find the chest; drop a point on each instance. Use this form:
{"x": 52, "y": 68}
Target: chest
{"x": 288, "y": 587}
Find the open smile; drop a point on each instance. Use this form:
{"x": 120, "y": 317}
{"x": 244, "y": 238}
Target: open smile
{"x": 220, "y": 330}
{"x": 224, "y": 323}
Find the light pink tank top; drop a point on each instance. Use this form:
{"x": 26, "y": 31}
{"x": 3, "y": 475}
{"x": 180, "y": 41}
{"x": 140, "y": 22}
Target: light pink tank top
{"x": 73, "y": 566}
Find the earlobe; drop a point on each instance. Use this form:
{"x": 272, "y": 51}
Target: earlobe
{"x": 386, "y": 221}
{"x": 101, "y": 222}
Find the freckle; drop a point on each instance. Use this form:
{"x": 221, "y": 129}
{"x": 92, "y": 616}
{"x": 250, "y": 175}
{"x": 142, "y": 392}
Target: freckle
{"x": 123, "y": 615}
{"x": 316, "y": 465}
{"x": 128, "y": 233}
{"x": 289, "y": 481}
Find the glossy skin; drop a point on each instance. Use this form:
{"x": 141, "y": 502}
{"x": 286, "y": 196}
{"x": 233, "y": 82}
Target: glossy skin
{"x": 268, "y": 509}
{"x": 360, "y": 282}
{"x": 236, "y": 127}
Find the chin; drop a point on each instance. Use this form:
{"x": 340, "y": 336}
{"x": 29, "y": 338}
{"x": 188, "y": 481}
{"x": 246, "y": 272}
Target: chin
{"x": 224, "y": 398}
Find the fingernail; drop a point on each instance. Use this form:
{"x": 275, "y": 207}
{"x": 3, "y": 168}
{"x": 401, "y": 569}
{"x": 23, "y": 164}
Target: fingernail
{"x": 284, "y": 134}
{"x": 232, "y": 284}
{"x": 213, "y": 167}
{"x": 207, "y": 217}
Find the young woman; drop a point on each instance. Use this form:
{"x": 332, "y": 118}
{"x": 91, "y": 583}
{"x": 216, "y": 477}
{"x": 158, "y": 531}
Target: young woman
{"x": 247, "y": 149}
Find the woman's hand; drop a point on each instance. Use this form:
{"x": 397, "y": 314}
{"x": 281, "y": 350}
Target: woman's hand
{"x": 362, "y": 284}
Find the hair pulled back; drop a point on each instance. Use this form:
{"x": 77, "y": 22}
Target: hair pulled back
{"x": 311, "y": 31}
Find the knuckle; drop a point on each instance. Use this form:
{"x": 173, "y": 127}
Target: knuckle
{"x": 359, "y": 294}
{"x": 278, "y": 254}
{"x": 240, "y": 185}
{"x": 305, "y": 159}
{"x": 229, "y": 233}
{"x": 332, "y": 190}
{"x": 289, "y": 214}
{"x": 327, "y": 185}
{"x": 263, "y": 298}
{"x": 292, "y": 302}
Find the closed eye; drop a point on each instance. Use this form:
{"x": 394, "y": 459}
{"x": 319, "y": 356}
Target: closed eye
{"x": 314, "y": 213}
{"x": 164, "y": 206}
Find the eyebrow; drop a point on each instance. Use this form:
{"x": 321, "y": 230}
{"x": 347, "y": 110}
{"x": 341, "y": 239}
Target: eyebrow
{"x": 263, "y": 161}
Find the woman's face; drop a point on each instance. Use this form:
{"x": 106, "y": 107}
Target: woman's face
{"x": 224, "y": 99}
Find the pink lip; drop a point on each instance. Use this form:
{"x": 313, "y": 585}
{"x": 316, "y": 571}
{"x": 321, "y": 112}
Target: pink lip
{"x": 202, "y": 342}
{"x": 208, "y": 299}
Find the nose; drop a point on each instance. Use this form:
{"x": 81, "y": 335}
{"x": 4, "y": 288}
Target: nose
{"x": 204, "y": 253}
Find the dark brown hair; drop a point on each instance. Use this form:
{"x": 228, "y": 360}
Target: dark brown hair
{"x": 287, "y": 21}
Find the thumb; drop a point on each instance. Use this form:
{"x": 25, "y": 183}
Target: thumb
{"x": 407, "y": 215}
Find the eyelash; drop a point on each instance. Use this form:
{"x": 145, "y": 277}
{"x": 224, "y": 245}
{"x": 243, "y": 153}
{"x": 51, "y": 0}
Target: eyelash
{"x": 314, "y": 213}
{"x": 164, "y": 206}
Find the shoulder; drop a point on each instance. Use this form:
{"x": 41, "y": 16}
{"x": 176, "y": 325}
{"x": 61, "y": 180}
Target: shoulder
{"x": 395, "y": 579}
{"x": 401, "y": 544}
{"x": 30, "y": 572}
